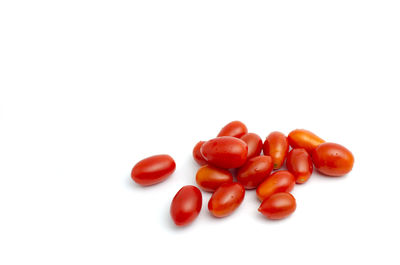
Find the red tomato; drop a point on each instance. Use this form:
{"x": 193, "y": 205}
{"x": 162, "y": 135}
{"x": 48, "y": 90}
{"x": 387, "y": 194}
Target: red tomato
{"x": 209, "y": 178}
{"x": 278, "y": 206}
{"x": 198, "y": 157}
{"x": 153, "y": 169}
{"x": 255, "y": 171}
{"x": 277, "y": 146}
{"x": 299, "y": 164}
{"x": 300, "y": 138}
{"x": 254, "y": 144}
{"x": 333, "y": 159}
{"x": 226, "y": 199}
{"x": 279, "y": 181}
{"x": 225, "y": 152}
{"x": 234, "y": 129}
{"x": 186, "y": 205}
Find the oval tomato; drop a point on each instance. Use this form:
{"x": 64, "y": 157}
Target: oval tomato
{"x": 299, "y": 164}
{"x": 234, "y": 129}
{"x": 254, "y": 144}
{"x": 226, "y": 199}
{"x": 153, "y": 169}
{"x": 301, "y": 138}
{"x": 255, "y": 171}
{"x": 333, "y": 159}
{"x": 186, "y": 205}
{"x": 209, "y": 178}
{"x": 279, "y": 181}
{"x": 225, "y": 152}
{"x": 278, "y": 206}
{"x": 198, "y": 157}
{"x": 277, "y": 146}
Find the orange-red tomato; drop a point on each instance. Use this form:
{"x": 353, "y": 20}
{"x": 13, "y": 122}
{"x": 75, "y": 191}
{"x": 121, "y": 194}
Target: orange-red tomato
{"x": 299, "y": 164}
{"x": 186, "y": 205}
{"x": 333, "y": 159}
{"x": 226, "y": 199}
{"x": 225, "y": 152}
{"x": 153, "y": 169}
{"x": 235, "y": 129}
{"x": 279, "y": 181}
{"x": 301, "y": 138}
{"x": 209, "y": 178}
{"x": 254, "y": 144}
{"x": 198, "y": 157}
{"x": 278, "y": 206}
{"x": 255, "y": 171}
{"x": 277, "y": 146}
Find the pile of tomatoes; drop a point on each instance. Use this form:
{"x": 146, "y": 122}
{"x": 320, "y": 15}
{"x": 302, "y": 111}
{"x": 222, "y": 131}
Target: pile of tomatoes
{"x": 236, "y": 154}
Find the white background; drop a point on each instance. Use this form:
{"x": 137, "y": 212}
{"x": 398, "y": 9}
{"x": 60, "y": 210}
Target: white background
{"x": 88, "y": 88}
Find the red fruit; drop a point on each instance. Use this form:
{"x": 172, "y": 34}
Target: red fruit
{"x": 225, "y": 152}
{"x": 186, "y": 205}
{"x": 255, "y": 171}
{"x": 299, "y": 164}
{"x": 198, "y": 157}
{"x": 234, "y": 129}
{"x": 278, "y": 206}
{"x": 300, "y": 138}
{"x": 276, "y": 146}
{"x": 209, "y": 178}
{"x": 279, "y": 181}
{"x": 333, "y": 159}
{"x": 153, "y": 169}
{"x": 254, "y": 144}
{"x": 226, "y": 199}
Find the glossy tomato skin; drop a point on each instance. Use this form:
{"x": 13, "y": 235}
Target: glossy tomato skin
{"x": 209, "y": 178}
{"x": 225, "y": 152}
{"x": 153, "y": 169}
{"x": 278, "y": 206}
{"x": 333, "y": 159}
{"x": 254, "y": 144}
{"x": 301, "y": 138}
{"x": 186, "y": 205}
{"x": 279, "y": 181}
{"x": 255, "y": 171}
{"x": 198, "y": 157}
{"x": 277, "y": 146}
{"x": 226, "y": 199}
{"x": 299, "y": 163}
{"x": 235, "y": 129}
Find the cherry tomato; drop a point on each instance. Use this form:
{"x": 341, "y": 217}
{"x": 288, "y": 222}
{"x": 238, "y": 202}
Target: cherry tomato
{"x": 304, "y": 139}
{"x": 333, "y": 159}
{"x": 186, "y": 205}
{"x": 255, "y": 171}
{"x": 279, "y": 181}
{"x": 278, "y": 206}
{"x": 254, "y": 144}
{"x": 225, "y": 152}
{"x": 234, "y": 129}
{"x": 277, "y": 146}
{"x": 198, "y": 157}
{"x": 153, "y": 169}
{"x": 209, "y": 178}
{"x": 226, "y": 199}
{"x": 299, "y": 164}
